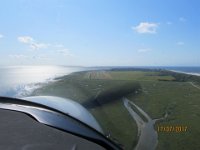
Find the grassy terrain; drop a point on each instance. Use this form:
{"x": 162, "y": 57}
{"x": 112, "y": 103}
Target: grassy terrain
{"x": 156, "y": 92}
{"x": 102, "y": 97}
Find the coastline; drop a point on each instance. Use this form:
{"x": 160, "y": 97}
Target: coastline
{"x": 188, "y": 73}
{"x": 21, "y": 81}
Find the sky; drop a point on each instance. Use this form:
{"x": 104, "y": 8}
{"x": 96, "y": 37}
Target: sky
{"x": 100, "y": 32}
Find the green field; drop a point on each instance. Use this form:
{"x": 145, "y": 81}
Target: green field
{"x": 155, "y": 91}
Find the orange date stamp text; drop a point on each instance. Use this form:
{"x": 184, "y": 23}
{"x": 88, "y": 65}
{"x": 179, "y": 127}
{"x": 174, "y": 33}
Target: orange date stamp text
{"x": 172, "y": 128}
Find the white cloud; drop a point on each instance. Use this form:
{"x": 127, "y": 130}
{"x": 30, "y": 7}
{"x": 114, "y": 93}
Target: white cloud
{"x": 32, "y": 43}
{"x": 65, "y": 52}
{"x": 180, "y": 43}
{"x": 1, "y": 36}
{"x": 25, "y": 39}
{"x": 144, "y": 50}
{"x": 146, "y": 27}
{"x": 182, "y": 19}
{"x": 18, "y": 56}
{"x": 38, "y": 46}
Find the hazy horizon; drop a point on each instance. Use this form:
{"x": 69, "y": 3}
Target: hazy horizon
{"x": 99, "y": 65}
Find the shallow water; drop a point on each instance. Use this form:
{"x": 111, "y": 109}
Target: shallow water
{"x": 19, "y": 81}
{"x": 147, "y": 136}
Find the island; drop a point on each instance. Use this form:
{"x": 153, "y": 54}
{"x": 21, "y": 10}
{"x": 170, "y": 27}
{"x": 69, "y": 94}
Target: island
{"x": 130, "y": 103}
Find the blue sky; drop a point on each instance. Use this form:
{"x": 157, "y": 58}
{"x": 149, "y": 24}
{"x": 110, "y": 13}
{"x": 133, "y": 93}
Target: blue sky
{"x": 100, "y": 32}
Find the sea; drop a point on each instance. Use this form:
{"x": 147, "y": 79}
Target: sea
{"x": 20, "y": 81}
{"x": 187, "y": 70}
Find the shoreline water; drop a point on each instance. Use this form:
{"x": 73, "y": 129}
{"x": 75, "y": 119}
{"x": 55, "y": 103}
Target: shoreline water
{"x": 20, "y": 81}
{"x": 188, "y": 73}
{"x": 147, "y": 135}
